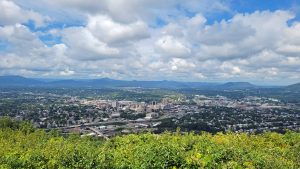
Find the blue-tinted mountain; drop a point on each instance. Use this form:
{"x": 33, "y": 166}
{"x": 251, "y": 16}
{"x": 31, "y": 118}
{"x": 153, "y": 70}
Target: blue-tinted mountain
{"x": 237, "y": 85}
{"x": 107, "y": 83}
{"x": 8, "y": 81}
{"x": 18, "y": 81}
{"x": 295, "y": 87}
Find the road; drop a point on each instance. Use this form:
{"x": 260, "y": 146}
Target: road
{"x": 109, "y": 122}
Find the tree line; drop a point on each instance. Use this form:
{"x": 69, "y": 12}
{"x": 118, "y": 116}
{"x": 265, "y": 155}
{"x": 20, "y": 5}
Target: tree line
{"x": 22, "y": 146}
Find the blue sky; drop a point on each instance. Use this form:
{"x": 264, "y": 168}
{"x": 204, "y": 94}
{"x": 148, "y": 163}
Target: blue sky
{"x": 195, "y": 40}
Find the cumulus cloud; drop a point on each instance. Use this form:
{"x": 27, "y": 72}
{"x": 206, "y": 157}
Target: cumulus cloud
{"x": 172, "y": 47}
{"x": 27, "y": 53}
{"x": 178, "y": 64}
{"x": 131, "y": 10}
{"x": 19, "y": 37}
{"x": 84, "y": 46}
{"x": 109, "y": 31}
{"x": 121, "y": 39}
{"x": 12, "y": 14}
{"x": 67, "y": 72}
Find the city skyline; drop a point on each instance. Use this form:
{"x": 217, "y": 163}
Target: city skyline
{"x": 198, "y": 40}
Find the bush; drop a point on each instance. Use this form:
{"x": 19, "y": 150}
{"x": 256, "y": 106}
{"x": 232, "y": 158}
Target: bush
{"x": 23, "y": 148}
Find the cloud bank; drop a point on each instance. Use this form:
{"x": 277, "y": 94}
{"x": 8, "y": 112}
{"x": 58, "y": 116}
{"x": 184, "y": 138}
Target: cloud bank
{"x": 148, "y": 40}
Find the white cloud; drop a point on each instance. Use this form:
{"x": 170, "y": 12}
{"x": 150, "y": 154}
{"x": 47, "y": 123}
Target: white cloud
{"x": 84, "y": 46}
{"x": 289, "y": 49}
{"x": 12, "y": 14}
{"x": 196, "y": 22}
{"x": 109, "y": 31}
{"x": 27, "y": 54}
{"x": 127, "y": 11}
{"x": 121, "y": 39}
{"x": 172, "y": 47}
{"x": 67, "y": 72}
{"x": 178, "y": 64}
{"x": 19, "y": 37}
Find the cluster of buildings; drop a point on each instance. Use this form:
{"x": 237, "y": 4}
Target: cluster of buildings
{"x": 125, "y": 105}
{"x": 105, "y": 118}
{"x": 217, "y": 113}
{"x": 247, "y": 103}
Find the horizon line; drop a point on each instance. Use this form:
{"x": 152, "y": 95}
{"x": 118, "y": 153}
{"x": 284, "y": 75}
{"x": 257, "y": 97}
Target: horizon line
{"x": 256, "y": 83}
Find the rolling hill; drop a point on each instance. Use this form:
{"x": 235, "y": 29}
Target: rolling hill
{"x": 7, "y": 81}
{"x": 294, "y": 87}
{"x": 237, "y": 85}
{"x": 19, "y": 81}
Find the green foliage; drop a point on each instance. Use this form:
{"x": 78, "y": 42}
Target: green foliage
{"x": 20, "y": 147}
{"x": 9, "y": 123}
{"x": 6, "y": 122}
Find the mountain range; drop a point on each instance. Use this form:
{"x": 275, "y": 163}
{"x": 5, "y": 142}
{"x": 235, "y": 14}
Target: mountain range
{"x": 19, "y": 81}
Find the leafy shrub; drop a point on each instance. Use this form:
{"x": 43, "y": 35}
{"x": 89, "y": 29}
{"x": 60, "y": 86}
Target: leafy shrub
{"x": 23, "y": 148}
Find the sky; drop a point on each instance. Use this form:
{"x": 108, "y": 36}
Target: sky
{"x": 194, "y": 40}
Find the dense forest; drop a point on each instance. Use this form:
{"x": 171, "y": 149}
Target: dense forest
{"x": 22, "y": 146}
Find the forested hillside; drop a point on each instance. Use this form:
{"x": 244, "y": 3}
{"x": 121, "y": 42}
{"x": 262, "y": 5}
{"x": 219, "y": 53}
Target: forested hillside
{"x": 21, "y": 146}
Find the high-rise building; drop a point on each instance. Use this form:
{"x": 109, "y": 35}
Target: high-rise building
{"x": 115, "y": 104}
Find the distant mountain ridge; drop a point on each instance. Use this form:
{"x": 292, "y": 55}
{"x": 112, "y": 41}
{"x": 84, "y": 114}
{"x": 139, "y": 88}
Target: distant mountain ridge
{"x": 294, "y": 87}
{"x": 237, "y": 85}
{"x": 19, "y": 81}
